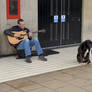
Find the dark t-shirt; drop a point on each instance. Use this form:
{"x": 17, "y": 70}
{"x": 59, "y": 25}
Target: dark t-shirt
{"x": 17, "y": 28}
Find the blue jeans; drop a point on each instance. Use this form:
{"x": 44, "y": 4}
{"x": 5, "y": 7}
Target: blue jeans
{"x": 28, "y": 44}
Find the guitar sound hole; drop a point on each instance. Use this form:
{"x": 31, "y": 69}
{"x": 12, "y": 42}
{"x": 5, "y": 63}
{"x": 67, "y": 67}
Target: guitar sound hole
{"x": 21, "y": 37}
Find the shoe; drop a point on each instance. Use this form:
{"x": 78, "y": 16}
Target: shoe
{"x": 42, "y": 58}
{"x": 28, "y": 60}
{"x": 17, "y": 57}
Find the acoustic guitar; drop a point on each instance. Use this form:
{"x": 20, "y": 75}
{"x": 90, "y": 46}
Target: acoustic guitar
{"x": 14, "y": 41}
{"x": 23, "y": 35}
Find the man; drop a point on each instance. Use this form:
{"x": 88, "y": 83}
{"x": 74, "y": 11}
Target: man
{"x": 26, "y": 44}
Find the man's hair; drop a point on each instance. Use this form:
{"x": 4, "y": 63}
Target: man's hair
{"x": 19, "y": 20}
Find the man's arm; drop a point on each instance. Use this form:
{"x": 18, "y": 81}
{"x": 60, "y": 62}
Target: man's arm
{"x": 29, "y": 32}
{"x": 9, "y": 32}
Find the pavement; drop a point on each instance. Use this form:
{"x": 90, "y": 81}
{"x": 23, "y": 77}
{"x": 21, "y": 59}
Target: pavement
{"x": 77, "y": 79}
{"x": 61, "y": 73}
{"x": 12, "y": 68}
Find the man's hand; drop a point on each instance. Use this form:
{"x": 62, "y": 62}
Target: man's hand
{"x": 30, "y": 34}
{"x": 16, "y": 35}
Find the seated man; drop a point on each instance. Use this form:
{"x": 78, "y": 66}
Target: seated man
{"x": 26, "y": 43}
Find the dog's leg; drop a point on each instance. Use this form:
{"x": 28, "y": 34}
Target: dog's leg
{"x": 79, "y": 58}
{"x": 88, "y": 62}
{"x": 87, "y": 59}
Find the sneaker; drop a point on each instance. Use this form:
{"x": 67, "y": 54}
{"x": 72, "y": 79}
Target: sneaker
{"x": 28, "y": 60}
{"x": 42, "y": 58}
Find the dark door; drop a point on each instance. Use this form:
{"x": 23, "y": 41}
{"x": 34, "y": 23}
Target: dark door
{"x": 47, "y": 11}
{"x": 59, "y": 32}
{"x": 71, "y": 29}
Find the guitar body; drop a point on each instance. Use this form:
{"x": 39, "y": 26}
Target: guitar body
{"x": 14, "y": 41}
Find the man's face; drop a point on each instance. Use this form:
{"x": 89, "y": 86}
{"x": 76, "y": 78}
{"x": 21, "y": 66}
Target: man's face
{"x": 21, "y": 24}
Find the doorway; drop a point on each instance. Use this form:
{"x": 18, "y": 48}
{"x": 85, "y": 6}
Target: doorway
{"x": 62, "y": 21}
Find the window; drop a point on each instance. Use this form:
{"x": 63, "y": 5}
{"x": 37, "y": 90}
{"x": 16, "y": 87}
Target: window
{"x": 13, "y": 9}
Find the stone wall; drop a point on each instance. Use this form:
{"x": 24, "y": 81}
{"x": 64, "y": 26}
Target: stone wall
{"x": 87, "y": 20}
{"x": 29, "y": 12}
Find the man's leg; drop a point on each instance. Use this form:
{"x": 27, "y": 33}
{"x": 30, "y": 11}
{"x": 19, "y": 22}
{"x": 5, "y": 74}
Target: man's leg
{"x": 35, "y": 42}
{"x": 25, "y": 44}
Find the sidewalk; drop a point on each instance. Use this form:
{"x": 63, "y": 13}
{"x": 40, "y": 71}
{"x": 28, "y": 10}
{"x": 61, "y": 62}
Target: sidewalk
{"x": 61, "y": 73}
{"x": 78, "y": 79}
{"x": 12, "y": 68}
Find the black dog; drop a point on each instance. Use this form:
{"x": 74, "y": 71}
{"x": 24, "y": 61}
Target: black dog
{"x": 84, "y": 52}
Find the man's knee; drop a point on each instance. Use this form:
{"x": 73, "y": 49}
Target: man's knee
{"x": 26, "y": 41}
{"x": 36, "y": 40}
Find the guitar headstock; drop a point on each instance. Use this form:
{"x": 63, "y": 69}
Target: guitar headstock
{"x": 42, "y": 31}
